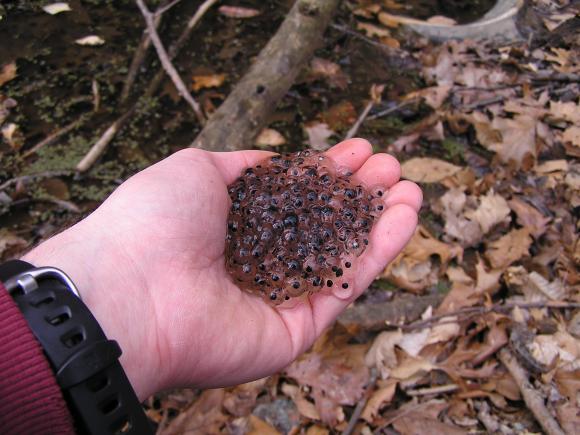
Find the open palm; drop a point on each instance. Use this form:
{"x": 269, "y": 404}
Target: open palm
{"x": 163, "y": 291}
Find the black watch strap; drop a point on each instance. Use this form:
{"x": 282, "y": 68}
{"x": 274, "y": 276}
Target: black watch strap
{"x": 99, "y": 395}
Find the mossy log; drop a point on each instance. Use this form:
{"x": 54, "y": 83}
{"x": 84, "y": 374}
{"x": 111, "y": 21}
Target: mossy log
{"x": 243, "y": 114}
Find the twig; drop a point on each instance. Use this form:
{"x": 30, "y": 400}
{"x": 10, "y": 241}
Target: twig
{"x": 167, "y": 65}
{"x": 360, "y": 406}
{"x": 392, "y": 109}
{"x": 360, "y": 36}
{"x": 354, "y": 129}
{"x": 164, "y": 8}
{"x": 433, "y": 390}
{"x": 485, "y": 102}
{"x": 32, "y": 177}
{"x": 100, "y": 145}
{"x": 533, "y": 399}
{"x": 376, "y": 91}
{"x": 555, "y": 77}
{"x": 96, "y": 95}
{"x": 52, "y": 138}
{"x": 141, "y": 53}
{"x": 176, "y": 47}
{"x": 484, "y": 310}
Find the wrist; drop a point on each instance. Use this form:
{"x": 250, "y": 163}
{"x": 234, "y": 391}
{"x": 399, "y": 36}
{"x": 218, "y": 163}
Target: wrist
{"x": 104, "y": 288}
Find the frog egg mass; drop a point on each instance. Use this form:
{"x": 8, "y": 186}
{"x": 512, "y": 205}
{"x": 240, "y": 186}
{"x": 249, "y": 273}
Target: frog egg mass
{"x": 296, "y": 225}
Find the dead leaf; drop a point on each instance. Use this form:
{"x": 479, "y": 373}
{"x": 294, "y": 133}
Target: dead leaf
{"x": 434, "y": 96}
{"x": 529, "y": 217}
{"x": 317, "y": 430}
{"x": 205, "y": 81}
{"x": 305, "y": 408}
{"x": 9, "y": 240}
{"x": 487, "y": 281}
{"x": 270, "y": 137}
{"x": 240, "y": 400}
{"x": 8, "y": 72}
{"x": 205, "y": 412}
{"x": 493, "y": 209}
{"x": 568, "y": 111}
{"x": 551, "y": 166}
{"x": 569, "y": 417}
{"x": 451, "y": 206}
{"x": 378, "y": 399}
{"x": 318, "y": 135}
{"x": 537, "y": 288}
{"x": 322, "y": 68}
{"x": 427, "y": 169}
{"x": 92, "y": 40}
{"x": 442, "y": 21}
{"x": 509, "y": 248}
{"x": 260, "y": 427}
{"x": 238, "y": 12}
{"x": 13, "y": 136}
{"x": 382, "y": 352}
{"x": 571, "y": 135}
{"x": 371, "y": 30}
{"x": 339, "y": 116}
{"x": 56, "y": 8}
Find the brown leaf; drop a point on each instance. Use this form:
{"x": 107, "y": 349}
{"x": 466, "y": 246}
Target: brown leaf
{"x": 378, "y": 399}
{"x": 492, "y": 210}
{"x": 13, "y": 136}
{"x": 372, "y": 30}
{"x": 529, "y": 217}
{"x": 7, "y": 72}
{"x": 339, "y": 116}
{"x": 322, "y": 68}
{"x": 204, "y": 81}
{"x": 270, "y": 137}
{"x": 568, "y": 384}
{"x": 427, "y": 169}
{"x": 318, "y": 135}
{"x": 10, "y": 241}
{"x": 305, "y": 408}
{"x": 260, "y": 427}
{"x": 509, "y": 248}
{"x": 238, "y": 12}
{"x": 451, "y": 206}
{"x": 572, "y": 135}
{"x": 204, "y": 416}
{"x": 568, "y": 111}
{"x": 434, "y": 96}
{"x": 240, "y": 400}
{"x": 569, "y": 417}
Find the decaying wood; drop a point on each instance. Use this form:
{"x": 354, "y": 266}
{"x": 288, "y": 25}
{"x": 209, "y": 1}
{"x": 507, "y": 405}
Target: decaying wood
{"x": 533, "y": 399}
{"x": 375, "y": 316}
{"x": 241, "y": 117}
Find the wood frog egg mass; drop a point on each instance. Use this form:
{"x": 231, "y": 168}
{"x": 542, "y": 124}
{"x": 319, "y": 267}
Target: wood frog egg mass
{"x": 296, "y": 225}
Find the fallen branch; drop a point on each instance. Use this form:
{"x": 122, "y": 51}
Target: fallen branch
{"x": 33, "y": 177}
{"x": 176, "y": 47}
{"x": 393, "y": 109}
{"x": 245, "y": 112}
{"x": 166, "y": 62}
{"x": 100, "y": 145}
{"x": 440, "y": 389}
{"x": 141, "y": 51}
{"x": 533, "y": 399}
{"x": 479, "y": 311}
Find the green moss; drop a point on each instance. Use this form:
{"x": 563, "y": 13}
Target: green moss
{"x": 63, "y": 157}
{"x": 454, "y": 150}
{"x": 384, "y": 284}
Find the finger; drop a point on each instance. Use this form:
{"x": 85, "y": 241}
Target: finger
{"x": 380, "y": 169}
{"x": 388, "y": 237}
{"x": 351, "y": 153}
{"x": 405, "y": 192}
{"x": 231, "y": 164}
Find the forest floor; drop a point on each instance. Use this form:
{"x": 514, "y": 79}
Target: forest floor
{"x": 474, "y": 328}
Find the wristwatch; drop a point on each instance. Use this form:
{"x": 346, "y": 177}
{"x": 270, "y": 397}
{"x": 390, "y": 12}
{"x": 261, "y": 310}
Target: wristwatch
{"x": 85, "y": 362}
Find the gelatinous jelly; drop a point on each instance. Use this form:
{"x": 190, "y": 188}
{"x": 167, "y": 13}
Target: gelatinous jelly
{"x": 296, "y": 225}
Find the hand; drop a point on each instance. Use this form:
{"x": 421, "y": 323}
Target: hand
{"x": 149, "y": 263}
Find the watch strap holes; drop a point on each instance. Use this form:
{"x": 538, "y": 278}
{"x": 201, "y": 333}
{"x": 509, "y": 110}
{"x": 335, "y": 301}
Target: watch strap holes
{"x": 109, "y": 405}
{"x": 58, "y": 317}
{"x": 45, "y": 299}
{"x": 121, "y": 426}
{"x": 98, "y": 383}
{"x": 73, "y": 337}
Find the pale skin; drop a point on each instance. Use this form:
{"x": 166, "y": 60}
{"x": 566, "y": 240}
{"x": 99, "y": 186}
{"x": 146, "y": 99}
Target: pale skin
{"x": 149, "y": 263}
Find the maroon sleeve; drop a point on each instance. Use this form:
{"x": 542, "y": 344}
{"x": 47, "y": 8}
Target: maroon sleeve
{"x": 31, "y": 401}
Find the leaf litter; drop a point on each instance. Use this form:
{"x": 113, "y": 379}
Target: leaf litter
{"x": 494, "y": 143}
